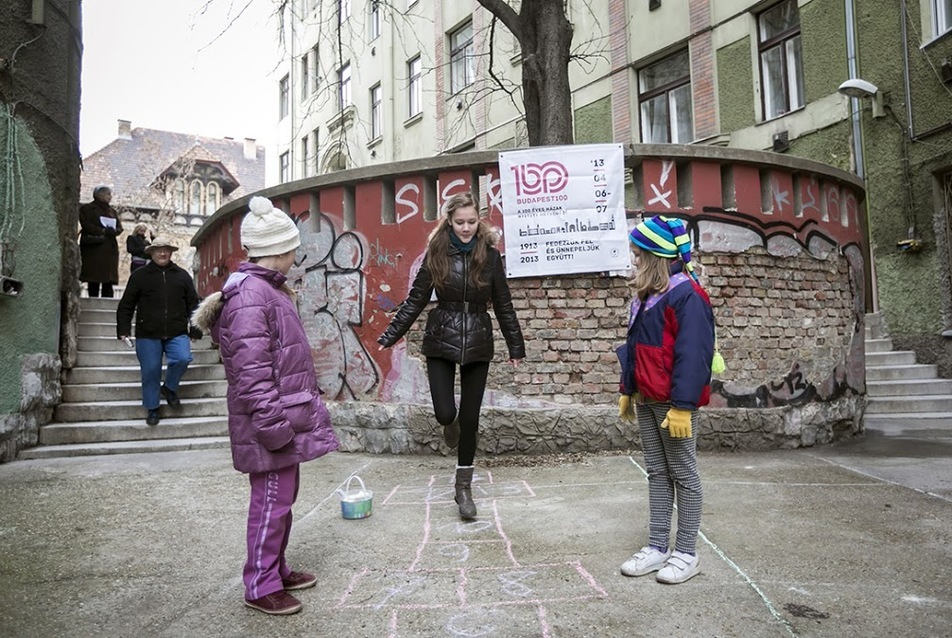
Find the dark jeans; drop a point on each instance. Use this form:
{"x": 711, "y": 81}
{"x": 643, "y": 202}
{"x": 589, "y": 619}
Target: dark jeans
{"x": 93, "y": 288}
{"x": 472, "y": 385}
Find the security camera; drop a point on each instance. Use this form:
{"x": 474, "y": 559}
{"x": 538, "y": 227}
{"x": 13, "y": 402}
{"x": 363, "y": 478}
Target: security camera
{"x": 855, "y": 87}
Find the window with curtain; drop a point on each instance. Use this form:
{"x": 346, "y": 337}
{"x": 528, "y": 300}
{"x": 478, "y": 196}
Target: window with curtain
{"x": 376, "y": 112}
{"x": 212, "y": 198}
{"x": 195, "y": 199}
{"x": 305, "y": 65}
{"x": 664, "y": 93}
{"x": 284, "y": 167}
{"x": 374, "y": 19}
{"x": 415, "y": 86}
{"x": 781, "y": 59}
{"x": 462, "y": 60}
{"x": 343, "y": 87}
{"x": 284, "y": 88}
{"x": 941, "y": 16}
{"x": 178, "y": 195}
{"x": 343, "y": 9}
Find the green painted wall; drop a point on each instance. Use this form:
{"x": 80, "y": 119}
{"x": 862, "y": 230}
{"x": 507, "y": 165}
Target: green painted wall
{"x": 830, "y": 146}
{"x": 593, "y": 122}
{"x": 822, "y": 36}
{"x": 30, "y": 321}
{"x": 735, "y": 89}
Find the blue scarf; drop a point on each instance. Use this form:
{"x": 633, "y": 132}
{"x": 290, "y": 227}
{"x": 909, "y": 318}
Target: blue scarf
{"x": 460, "y": 245}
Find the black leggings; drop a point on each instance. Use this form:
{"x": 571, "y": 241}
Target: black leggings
{"x": 472, "y": 385}
{"x": 93, "y": 289}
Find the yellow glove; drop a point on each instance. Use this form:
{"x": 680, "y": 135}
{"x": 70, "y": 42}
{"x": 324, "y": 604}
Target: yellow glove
{"x": 678, "y": 423}
{"x": 626, "y": 408}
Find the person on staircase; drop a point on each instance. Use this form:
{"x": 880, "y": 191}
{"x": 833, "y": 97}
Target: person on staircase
{"x": 98, "y": 248}
{"x": 464, "y": 268}
{"x": 276, "y": 417}
{"x": 162, "y": 297}
{"x": 136, "y": 245}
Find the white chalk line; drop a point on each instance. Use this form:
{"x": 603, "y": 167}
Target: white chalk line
{"x": 883, "y": 480}
{"x": 717, "y": 550}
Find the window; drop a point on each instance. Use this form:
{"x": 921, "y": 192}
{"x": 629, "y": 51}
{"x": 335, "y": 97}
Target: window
{"x": 305, "y": 155}
{"x": 343, "y": 9}
{"x": 343, "y": 87}
{"x": 305, "y": 77}
{"x": 462, "y": 60}
{"x": 941, "y": 16}
{"x": 315, "y": 70}
{"x": 781, "y": 59}
{"x": 376, "y": 114}
{"x": 315, "y": 168}
{"x": 212, "y": 198}
{"x": 195, "y": 198}
{"x": 178, "y": 195}
{"x": 374, "y": 19}
{"x": 284, "y": 87}
{"x": 664, "y": 93}
{"x": 284, "y": 167}
{"x": 415, "y": 86}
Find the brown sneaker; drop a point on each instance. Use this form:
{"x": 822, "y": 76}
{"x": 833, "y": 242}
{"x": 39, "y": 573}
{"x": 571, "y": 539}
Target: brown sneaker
{"x": 299, "y": 580}
{"x": 280, "y": 603}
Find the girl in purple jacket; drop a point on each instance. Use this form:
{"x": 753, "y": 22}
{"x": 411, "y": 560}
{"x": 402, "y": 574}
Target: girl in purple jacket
{"x": 276, "y": 419}
{"x": 666, "y": 374}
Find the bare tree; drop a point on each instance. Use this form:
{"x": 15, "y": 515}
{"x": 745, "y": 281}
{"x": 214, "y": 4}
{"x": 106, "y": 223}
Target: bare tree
{"x": 544, "y": 34}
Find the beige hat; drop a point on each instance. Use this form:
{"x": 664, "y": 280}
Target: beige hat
{"x": 160, "y": 242}
{"x": 266, "y": 230}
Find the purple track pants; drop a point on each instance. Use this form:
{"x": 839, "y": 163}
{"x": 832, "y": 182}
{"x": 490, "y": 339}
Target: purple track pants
{"x": 269, "y": 527}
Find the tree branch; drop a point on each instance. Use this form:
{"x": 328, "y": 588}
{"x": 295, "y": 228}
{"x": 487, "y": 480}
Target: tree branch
{"x": 504, "y": 12}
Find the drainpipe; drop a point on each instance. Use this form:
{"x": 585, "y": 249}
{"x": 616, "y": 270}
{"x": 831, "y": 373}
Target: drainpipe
{"x": 872, "y": 290}
{"x": 906, "y": 85}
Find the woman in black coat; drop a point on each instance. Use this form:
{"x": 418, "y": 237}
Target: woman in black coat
{"x": 98, "y": 247}
{"x": 136, "y": 245}
{"x": 464, "y": 268}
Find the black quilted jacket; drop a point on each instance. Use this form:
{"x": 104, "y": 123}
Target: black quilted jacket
{"x": 458, "y": 331}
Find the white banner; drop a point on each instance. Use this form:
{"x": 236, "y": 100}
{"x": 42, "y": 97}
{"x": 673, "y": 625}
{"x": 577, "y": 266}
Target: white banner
{"x": 564, "y": 210}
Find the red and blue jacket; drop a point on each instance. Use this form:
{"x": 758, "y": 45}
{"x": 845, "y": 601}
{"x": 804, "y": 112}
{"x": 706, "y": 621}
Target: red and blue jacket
{"x": 670, "y": 344}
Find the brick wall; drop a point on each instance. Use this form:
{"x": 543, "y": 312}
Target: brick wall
{"x": 783, "y": 324}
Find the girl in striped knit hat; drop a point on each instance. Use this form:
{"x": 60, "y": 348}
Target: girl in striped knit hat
{"x": 666, "y": 374}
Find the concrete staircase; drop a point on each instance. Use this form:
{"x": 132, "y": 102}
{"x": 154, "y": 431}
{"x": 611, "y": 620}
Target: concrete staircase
{"x": 102, "y": 411}
{"x": 902, "y": 394}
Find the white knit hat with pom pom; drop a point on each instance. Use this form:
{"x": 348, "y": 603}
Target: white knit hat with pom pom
{"x": 266, "y": 230}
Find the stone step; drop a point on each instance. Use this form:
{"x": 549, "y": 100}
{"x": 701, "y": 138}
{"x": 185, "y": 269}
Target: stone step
{"x": 98, "y": 303}
{"x": 878, "y": 345}
{"x": 103, "y": 393}
{"x": 130, "y": 374}
{"x": 127, "y": 357}
{"x": 930, "y": 424}
{"x": 124, "y": 447}
{"x": 92, "y": 315}
{"x": 109, "y": 343}
{"x": 132, "y": 410}
{"x": 905, "y": 372}
{"x": 132, "y": 430}
{"x": 908, "y": 405}
{"x": 912, "y": 388}
{"x": 896, "y": 358}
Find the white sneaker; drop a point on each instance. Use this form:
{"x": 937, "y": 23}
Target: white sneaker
{"x": 679, "y": 568}
{"x": 645, "y": 561}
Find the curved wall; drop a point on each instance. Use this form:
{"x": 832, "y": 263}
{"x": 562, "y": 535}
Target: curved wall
{"x": 781, "y": 244}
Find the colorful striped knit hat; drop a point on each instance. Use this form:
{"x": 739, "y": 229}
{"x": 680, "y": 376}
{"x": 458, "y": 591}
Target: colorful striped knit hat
{"x": 665, "y": 237}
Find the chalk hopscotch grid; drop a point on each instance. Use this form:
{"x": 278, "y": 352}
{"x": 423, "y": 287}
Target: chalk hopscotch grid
{"x": 510, "y": 578}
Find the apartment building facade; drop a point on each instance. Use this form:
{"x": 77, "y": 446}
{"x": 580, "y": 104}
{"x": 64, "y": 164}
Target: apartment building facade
{"x": 361, "y": 82}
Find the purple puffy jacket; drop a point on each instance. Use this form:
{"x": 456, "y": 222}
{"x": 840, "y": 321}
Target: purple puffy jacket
{"x": 276, "y": 417}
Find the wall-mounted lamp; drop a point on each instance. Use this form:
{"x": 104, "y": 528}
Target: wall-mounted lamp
{"x": 855, "y": 87}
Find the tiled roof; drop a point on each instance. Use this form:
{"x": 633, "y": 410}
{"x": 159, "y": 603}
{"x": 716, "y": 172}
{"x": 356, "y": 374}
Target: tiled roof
{"x": 131, "y": 165}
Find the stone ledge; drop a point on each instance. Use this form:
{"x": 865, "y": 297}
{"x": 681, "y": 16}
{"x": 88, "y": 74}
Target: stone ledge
{"x": 411, "y": 429}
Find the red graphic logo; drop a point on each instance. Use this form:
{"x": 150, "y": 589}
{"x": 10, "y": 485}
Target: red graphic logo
{"x": 536, "y": 179}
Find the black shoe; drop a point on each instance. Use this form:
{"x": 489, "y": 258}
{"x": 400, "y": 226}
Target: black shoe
{"x": 152, "y": 418}
{"x": 171, "y": 397}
